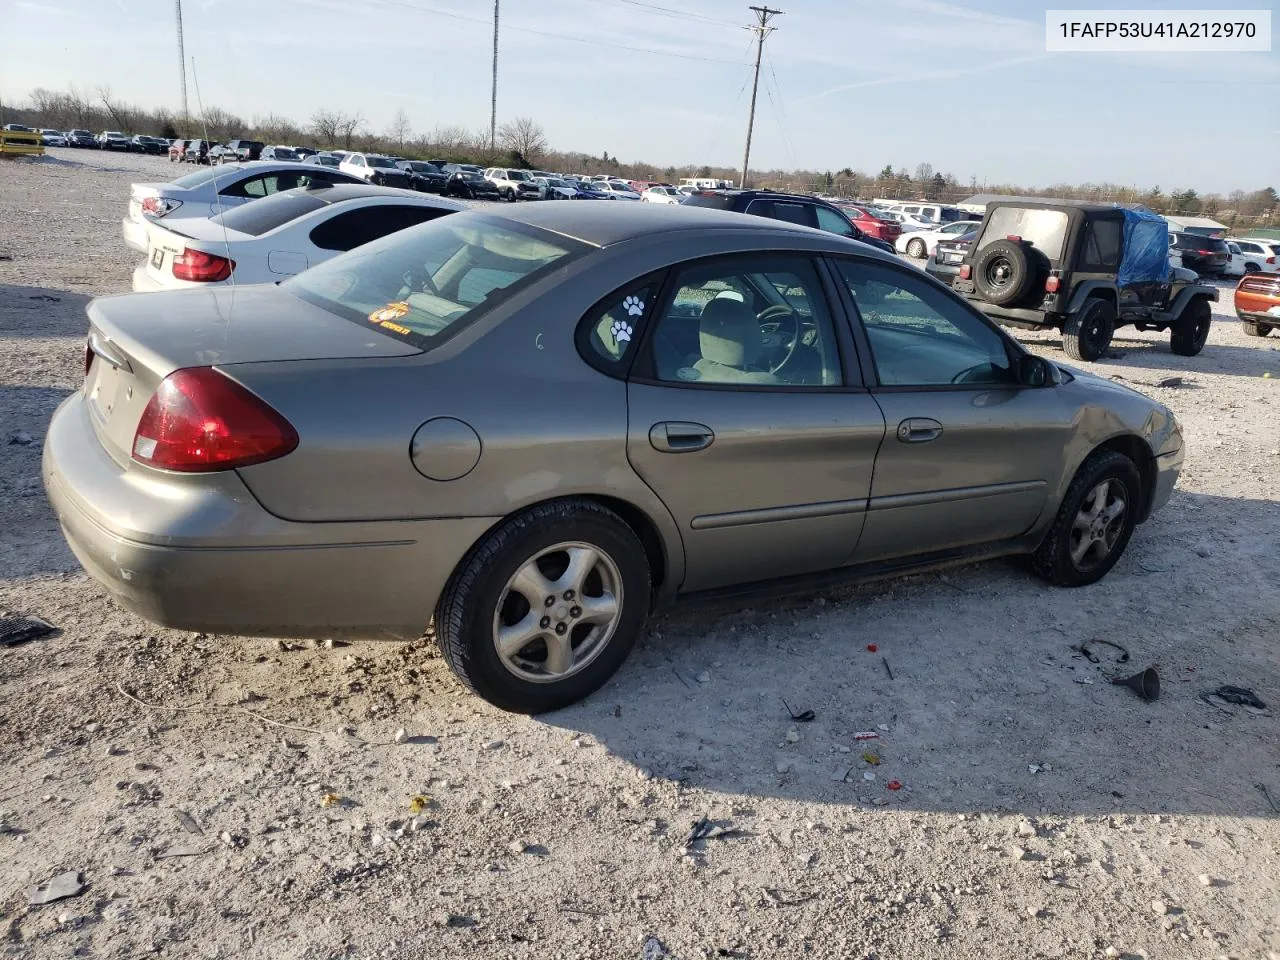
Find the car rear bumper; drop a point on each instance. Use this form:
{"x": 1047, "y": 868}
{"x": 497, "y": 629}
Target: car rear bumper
{"x": 198, "y": 552}
{"x": 1261, "y": 316}
{"x": 135, "y": 234}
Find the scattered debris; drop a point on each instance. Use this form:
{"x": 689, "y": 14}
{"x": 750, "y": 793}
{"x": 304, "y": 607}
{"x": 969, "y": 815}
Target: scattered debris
{"x": 804, "y": 716}
{"x": 188, "y": 822}
{"x": 872, "y": 648}
{"x": 706, "y": 829}
{"x": 46, "y": 297}
{"x": 1172, "y": 382}
{"x": 894, "y": 785}
{"x": 330, "y": 800}
{"x": 1262, "y": 788}
{"x": 793, "y": 735}
{"x": 1238, "y": 695}
{"x": 779, "y": 900}
{"x": 1085, "y": 648}
{"x": 654, "y": 949}
{"x": 871, "y": 758}
{"x": 1159, "y": 908}
{"x": 703, "y": 677}
{"x": 1145, "y": 684}
{"x": 21, "y": 438}
{"x": 885, "y": 661}
{"x": 866, "y": 735}
{"x": 401, "y": 736}
{"x": 1026, "y": 828}
{"x": 64, "y": 885}
{"x": 868, "y": 775}
{"x": 419, "y": 803}
{"x": 19, "y": 629}
{"x": 181, "y": 851}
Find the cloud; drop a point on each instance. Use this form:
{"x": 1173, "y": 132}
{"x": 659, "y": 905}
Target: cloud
{"x": 927, "y": 75}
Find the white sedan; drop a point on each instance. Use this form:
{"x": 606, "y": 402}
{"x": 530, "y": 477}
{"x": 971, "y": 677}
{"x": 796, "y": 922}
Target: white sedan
{"x": 616, "y": 189}
{"x": 277, "y": 237}
{"x": 922, "y": 243}
{"x": 662, "y": 195}
{"x": 211, "y": 190}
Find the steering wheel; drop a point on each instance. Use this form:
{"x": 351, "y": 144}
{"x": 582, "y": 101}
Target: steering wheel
{"x": 772, "y": 320}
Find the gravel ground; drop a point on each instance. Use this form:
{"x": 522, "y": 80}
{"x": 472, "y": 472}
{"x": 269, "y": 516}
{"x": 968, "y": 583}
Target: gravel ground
{"x": 224, "y": 797}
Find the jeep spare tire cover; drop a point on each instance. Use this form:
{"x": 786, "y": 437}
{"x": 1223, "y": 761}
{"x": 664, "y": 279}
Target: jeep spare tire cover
{"x": 1002, "y": 272}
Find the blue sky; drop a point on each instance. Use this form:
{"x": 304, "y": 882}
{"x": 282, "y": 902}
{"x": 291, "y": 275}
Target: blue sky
{"x": 966, "y": 86}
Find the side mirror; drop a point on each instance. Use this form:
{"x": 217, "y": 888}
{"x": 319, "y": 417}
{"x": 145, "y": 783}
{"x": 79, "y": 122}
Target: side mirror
{"x": 1033, "y": 371}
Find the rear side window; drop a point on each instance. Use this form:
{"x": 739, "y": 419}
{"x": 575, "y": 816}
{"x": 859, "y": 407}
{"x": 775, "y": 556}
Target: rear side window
{"x": 355, "y": 228}
{"x": 423, "y": 284}
{"x": 717, "y": 201}
{"x": 200, "y": 177}
{"x": 258, "y": 218}
{"x": 1102, "y": 244}
{"x": 610, "y": 331}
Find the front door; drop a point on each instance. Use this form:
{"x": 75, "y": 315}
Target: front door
{"x": 746, "y": 423}
{"x": 969, "y": 455}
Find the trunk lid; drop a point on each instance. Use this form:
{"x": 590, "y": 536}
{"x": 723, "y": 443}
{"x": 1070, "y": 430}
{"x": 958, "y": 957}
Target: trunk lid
{"x": 139, "y": 339}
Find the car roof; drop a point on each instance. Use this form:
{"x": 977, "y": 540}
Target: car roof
{"x": 1085, "y": 206}
{"x": 609, "y": 223}
{"x": 339, "y": 192}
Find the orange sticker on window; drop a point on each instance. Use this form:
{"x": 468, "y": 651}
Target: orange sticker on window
{"x": 392, "y": 311}
{"x": 388, "y": 325}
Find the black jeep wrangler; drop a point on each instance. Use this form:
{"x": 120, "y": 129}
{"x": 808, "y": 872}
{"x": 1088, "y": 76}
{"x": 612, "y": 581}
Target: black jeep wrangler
{"x": 1083, "y": 269}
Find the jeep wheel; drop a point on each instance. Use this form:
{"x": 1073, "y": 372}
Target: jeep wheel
{"x": 916, "y": 248}
{"x": 1190, "y": 331}
{"x": 1254, "y": 329}
{"x": 1002, "y": 273}
{"x": 1087, "y": 333}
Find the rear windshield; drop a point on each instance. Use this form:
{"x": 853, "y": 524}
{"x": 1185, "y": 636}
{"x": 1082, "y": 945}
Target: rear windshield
{"x": 426, "y": 282}
{"x": 200, "y": 177}
{"x": 951, "y": 215}
{"x": 1043, "y": 229}
{"x": 717, "y": 200}
{"x": 270, "y": 212}
{"x": 1192, "y": 241}
{"x": 379, "y": 162}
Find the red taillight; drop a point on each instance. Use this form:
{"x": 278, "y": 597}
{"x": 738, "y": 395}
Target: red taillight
{"x": 1013, "y": 238}
{"x": 965, "y": 271}
{"x": 1271, "y": 259}
{"x": 1051, "y": 285}
{"x": 202, "y": 267}
{"x": 1205, "y": 253}
{"x": 200, "y": 420}
{"x": 152, "y": 205}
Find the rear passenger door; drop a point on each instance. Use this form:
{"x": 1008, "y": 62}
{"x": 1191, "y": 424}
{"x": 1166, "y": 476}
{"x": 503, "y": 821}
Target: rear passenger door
{"x": 969, "y": 455}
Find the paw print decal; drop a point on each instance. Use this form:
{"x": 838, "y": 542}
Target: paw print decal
{"x": 634, "y": 306}
{"x": 621, "y": 332}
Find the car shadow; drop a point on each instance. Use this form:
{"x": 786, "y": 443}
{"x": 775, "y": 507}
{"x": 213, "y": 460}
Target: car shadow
{"x": 30, "y": 541}
{"x": 41, "y": 312}
{"x": 1132, "y": 351}
{"x": 962, "y": 691}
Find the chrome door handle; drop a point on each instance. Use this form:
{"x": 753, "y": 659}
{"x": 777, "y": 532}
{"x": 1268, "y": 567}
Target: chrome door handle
{"x": 678, "y": 436}
{"x": 919, "y": 430}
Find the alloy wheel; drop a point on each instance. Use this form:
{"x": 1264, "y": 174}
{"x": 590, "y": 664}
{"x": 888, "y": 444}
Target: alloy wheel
{"x": 558, "y": 612}
{"x": 1098, "y": 524}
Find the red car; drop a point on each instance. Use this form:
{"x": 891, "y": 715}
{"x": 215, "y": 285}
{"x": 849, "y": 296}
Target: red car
{"x": 880, "y": 228}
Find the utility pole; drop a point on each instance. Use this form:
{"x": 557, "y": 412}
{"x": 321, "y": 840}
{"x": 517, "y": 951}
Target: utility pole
{"x": 182, "y": 64}
{"x": 493, "y": 103}
{"x": 762, "y": 30}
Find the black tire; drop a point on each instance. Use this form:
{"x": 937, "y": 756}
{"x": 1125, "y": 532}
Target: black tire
{"x": 1087, "y": 333}
{"x": 916, "y": 248}
{"x": 464, "y": 617}
{"x": 1251, "y": 268}
{"x": 1002, "y": 274}
{"x": 1190, "y": 331}
{"x": 1254, "y": 329}
{"x": 1053, "y": 560}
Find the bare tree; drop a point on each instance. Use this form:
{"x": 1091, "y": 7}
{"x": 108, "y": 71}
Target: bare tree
{"x": 276, "y": 129}
{"x": 325, "y": 124}
{"x": 349, "y": 126}
{"x": 218, "y": 124}
{"x": 118, "y": 112}
{"x": 400, "y": 129}
{"x": 523, "y": 136}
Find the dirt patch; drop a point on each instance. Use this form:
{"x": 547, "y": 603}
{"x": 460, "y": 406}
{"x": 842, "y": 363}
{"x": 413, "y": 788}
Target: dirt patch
{"x": 229, "y": 797}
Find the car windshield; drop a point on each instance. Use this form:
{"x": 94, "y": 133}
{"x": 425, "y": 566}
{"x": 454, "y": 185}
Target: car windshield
{"x": 1043, "y": 229}
{"x": 379, "y": 162}
{"x": 114, "y": 133}
{"x": 469, "y": 175}
{"x": 417, "y": 166}
{"x": 266, "y": 214}
{"x": 283, "y": 153}
{"x": 518, "y": 175}
{"x": 425, "y": 282}
{"x": 201, "y": 177}
{"x": 555, "y": 182}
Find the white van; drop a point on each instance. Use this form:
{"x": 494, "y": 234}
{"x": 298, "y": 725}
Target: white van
{"x": 933, "y": 212}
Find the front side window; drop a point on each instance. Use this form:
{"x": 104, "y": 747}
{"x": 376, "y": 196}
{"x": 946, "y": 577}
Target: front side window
{"x": 833, "y": 222}
{"x": 752, "y": 320}
{"x": 424, "y": 283}
{"x": 919, "y": 335}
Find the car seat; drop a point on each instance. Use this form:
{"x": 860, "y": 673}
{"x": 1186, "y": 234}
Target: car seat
{"x": 729, "y": 338}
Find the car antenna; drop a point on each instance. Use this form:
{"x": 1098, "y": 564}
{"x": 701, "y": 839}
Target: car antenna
{"x": 217, "y": 194}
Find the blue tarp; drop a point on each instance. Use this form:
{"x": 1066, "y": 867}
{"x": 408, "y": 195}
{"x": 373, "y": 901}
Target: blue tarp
{"x": 1146, "y": 249}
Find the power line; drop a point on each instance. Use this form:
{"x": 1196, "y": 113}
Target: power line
{"x": 669, "y": 12}
{"x": 558, "y": 36}
{"x": 762, "y": 30}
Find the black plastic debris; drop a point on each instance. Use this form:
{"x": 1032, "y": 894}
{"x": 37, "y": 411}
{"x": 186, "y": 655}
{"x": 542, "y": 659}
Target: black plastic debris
{"x": 804, "y": 716}
{"x": 1086, "y": 649}
{"x": 1145, "y": 684}
{"x": 706, "y": 829}
{"x": 19, "y": 629}
{"x": 1241, "y": 695}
